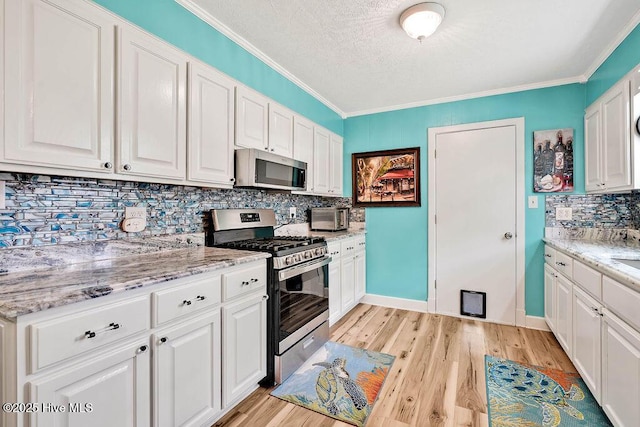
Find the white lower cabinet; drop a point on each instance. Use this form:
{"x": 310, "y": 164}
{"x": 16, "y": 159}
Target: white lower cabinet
{"x": 620, "y": 371}
{"x": 587, "y": 314}
{"x": 347, "y": 275}
{"x": 245, "y": 345}
{"x": 598, "y": 332}
{"x": 164, "y": 356}
{"x": 564, "y": 292}
{"x": 187, "y": 372}
{"x": 110, "y": 390}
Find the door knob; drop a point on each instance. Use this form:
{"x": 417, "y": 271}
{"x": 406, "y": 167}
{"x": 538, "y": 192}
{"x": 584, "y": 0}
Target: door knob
{"x": 508, "y": 235}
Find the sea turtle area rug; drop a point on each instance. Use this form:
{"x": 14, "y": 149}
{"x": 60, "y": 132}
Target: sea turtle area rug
{"x": 527, "y": 396}
{"x": 339, "y": 381}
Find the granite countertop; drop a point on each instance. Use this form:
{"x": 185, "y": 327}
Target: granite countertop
{"x": 332, "y": 236}
{"x": 31, "y": 290}
{"x": 601, "y": 255}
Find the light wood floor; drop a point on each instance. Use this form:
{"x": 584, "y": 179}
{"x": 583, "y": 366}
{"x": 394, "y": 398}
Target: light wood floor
{"x": 437, "y": 378}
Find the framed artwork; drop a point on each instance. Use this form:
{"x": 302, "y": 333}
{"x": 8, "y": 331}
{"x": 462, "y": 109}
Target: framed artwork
{"x": 386, "y": 178}
{"x": 553, "y": 161}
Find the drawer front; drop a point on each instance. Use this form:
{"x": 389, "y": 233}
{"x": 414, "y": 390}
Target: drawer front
{"x": 347, "y": 246}
{"x": 334, "y": 249}
{"x": 564, "y": 264}
{"x": 550, "y": 256}
{"x": 588, "y": 279}
{"x": 622, "y": 301}
{"x": 185, "y": 299}
{"x": 74, "y": 334}
{"x": 244, "y": 281}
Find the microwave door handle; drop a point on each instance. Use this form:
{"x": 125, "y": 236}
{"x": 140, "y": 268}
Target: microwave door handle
{"x": 304, "y": 268}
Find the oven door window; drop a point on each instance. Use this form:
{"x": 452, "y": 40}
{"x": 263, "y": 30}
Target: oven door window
{"x": 303, "y": 298}
{"x": 278, "y": 174}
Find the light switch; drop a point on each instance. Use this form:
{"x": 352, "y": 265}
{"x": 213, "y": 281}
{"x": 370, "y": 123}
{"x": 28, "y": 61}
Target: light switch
{"x": 564, "y": 214}
{"x": 533, "y": 202}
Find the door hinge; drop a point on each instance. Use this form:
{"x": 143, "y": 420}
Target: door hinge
{"x": 435, "y": 219}
{"x": 435, "y": 154}
{"x": 435, "y": 284}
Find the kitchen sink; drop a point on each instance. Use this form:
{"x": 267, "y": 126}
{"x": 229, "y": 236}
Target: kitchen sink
{"x": 635, "y": 263}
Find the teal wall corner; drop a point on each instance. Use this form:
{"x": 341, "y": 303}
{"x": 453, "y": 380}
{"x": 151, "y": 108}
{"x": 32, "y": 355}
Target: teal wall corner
{"x": 176, "y": 25}
{"x": 620, "y": 62}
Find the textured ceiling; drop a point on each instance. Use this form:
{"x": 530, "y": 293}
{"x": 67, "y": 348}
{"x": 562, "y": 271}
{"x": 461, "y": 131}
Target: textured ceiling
{"x": 354, "y": 56}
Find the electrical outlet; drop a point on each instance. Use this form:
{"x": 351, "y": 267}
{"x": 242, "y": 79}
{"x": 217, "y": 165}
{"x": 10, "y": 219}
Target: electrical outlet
{"x": 564, "y": 214}
{"x": 533, "y": 202}
{"x": 135, "y": 212}
{"x": 292, "y": 212}
{"x": 2, "y": 201}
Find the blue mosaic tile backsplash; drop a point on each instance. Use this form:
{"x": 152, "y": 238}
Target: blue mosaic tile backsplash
{"x": 595, "y": 210}
{"x": 48, "y": 210}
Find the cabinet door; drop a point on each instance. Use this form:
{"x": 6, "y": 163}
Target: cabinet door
{"x": 347, "y": 280}
{"x": 211, "y": 125}
{"x": 303, "y": 146}
{"x": 586, "y": 339}
{"x": 616, "y": 141}
{"x": 251, "y": 119}
{"x": 244, "y": 344}
{"x": 59, "y": 75}
{"x": 109, "y": 390}
{"x": 321, "y": 177}
{"x": 564, "y": 289}
{"x": 335, "y": 298}
{"x": 280, "y": 130}
{"x": 550, "y": 297}
{"x": 335, "y": 166}
{"x": 620, "y": 371}
{"x": 592, "y": 148}
{"x": 360, "y": 275}
{"x": 187, "y": 372}
{"x": 152, "y": 106}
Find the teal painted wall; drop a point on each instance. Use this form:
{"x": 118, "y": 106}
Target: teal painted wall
{"x": 620, "y": 62}
{"x": 176, "y": 25}
{"x": 397, "y": 237}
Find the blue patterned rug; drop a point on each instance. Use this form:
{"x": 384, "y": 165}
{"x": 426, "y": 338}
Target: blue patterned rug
{"x": 531, "y": 396}
{"x": 339, "y": 381}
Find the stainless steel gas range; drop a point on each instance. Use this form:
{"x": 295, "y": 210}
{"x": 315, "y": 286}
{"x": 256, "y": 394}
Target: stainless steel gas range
{"x": 298, "y": 285}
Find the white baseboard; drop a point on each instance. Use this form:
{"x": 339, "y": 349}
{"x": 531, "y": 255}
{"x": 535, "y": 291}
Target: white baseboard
{"x": 521, "y": 317}
{"x": 535, "y": 322}
{"x": 393, "y": 302}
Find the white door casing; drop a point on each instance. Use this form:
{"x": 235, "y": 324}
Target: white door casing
{"x": 477, "y": 202}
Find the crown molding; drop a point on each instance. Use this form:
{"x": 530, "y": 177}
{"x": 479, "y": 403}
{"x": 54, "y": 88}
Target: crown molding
{"x": 626, "y": 30}
{"x": 219, "y": 26}
{"x": 521, "y": 88}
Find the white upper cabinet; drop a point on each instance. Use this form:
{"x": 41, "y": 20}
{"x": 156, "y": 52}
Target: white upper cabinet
{"x": 321, "y": 160}
{"x": 280, "y": 130}
{"x": 58, "y": 81}
{"x": 152, "y": 106}
{"x": 252, "y": 112}
{"x": 303, "y": 145}
{"x": 335, "y": 166}
{"x": 609, "y": 155}
{"x": 616, "y": 142}
{"x": 211, "y": 126}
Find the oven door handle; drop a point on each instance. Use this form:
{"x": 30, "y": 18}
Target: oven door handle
{"x": 303, "y": 268}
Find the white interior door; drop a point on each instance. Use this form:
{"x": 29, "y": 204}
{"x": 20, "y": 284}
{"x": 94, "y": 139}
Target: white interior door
{"x": 475, "y": 195}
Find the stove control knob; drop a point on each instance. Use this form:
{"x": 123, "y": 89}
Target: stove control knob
{"x": 307, "y": 254}
{"x": 288, "y": 260}
{"x": 319, "y": 251}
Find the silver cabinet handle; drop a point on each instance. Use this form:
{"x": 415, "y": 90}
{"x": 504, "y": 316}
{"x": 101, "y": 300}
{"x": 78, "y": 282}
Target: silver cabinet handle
{"x": 127, "y": 167}
{"x": 508, "y": 235}
{"x": 108, "y": 165}
{"x": 561, "y": 264}
{"x": 547, "y": 255}
{"x": 141, "y": 349}
{"x": 92, "y": 334}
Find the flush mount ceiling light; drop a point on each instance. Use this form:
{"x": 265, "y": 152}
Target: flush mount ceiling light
{"x": 422, "y": 20}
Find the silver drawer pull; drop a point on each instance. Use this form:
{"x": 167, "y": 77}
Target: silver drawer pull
{"x": 244, "y": 283}
{"x": 561, "y": 263}
{"x": 186, "y": 302}
{"x": 111, "y": 327}
{"x": 200, "y": 298}
{"x": 141, "y": 349}
{"x": 547, "y": 255}
{"x": 254, "y": 280}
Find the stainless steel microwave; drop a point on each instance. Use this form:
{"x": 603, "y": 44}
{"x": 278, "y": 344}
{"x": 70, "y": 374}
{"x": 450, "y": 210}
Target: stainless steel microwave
{"x": 257, "y": 168}
{"x": 329, "y": 219}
